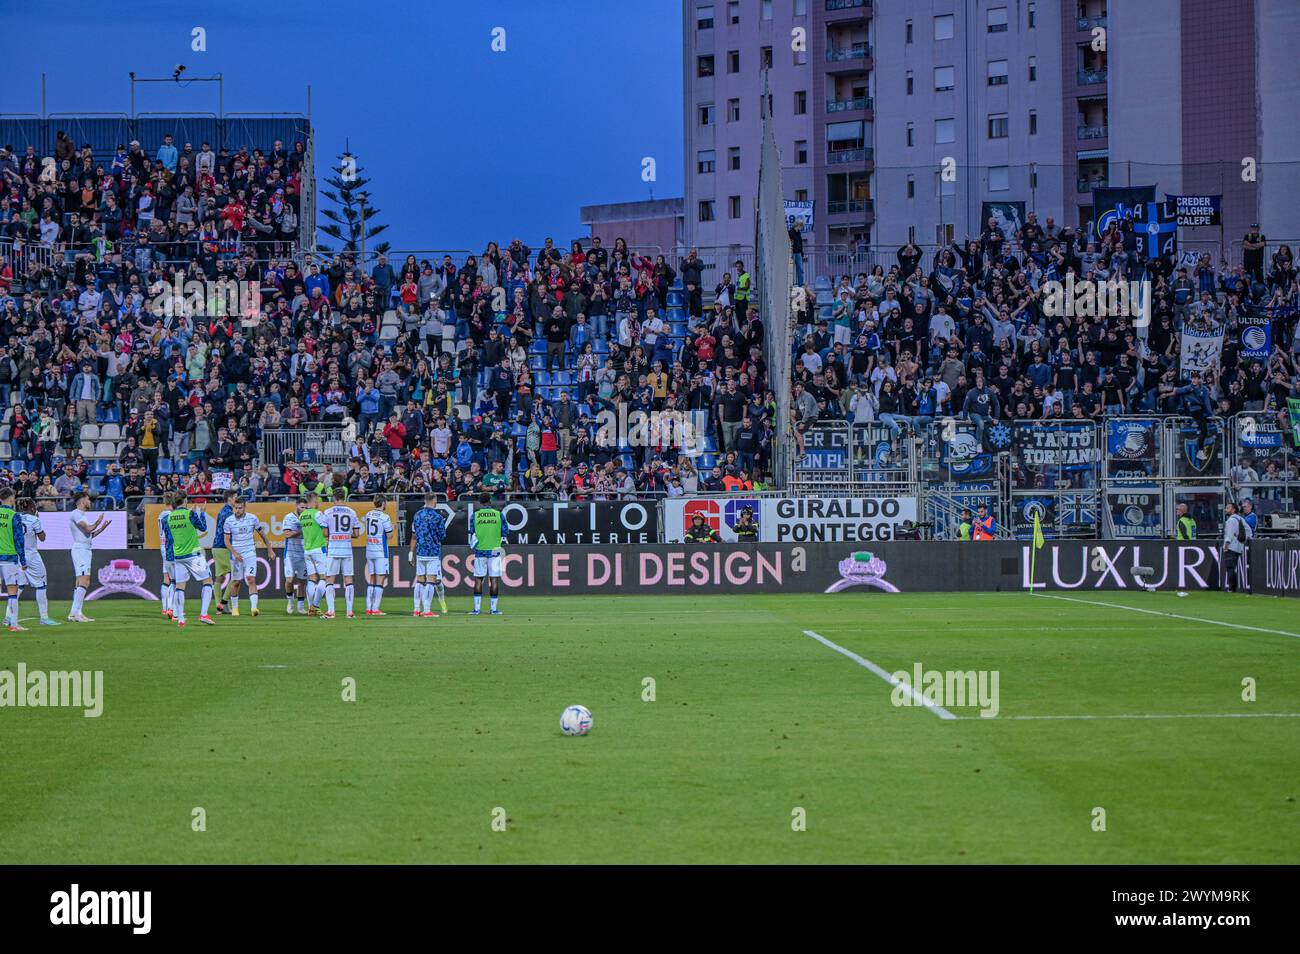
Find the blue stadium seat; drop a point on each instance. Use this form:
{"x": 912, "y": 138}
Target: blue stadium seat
{"x": 165, "y": 465}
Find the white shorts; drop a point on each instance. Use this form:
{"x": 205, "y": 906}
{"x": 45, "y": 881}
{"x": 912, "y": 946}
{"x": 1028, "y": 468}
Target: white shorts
{"x": 295, "y": 564}
{"x": 192, "y": 567}
{"x": 429, "y": 566}
{"x": 243, "y": 565}
{"x": 81, "y": 557}
{"x": 35, "y": 570}
{"x": 487, "y": 563}
{"x": 318, "y": 563}
{"x": 378, "y": 566}
{"x": 340, "y": 566}
{"x": 11, "y": 574}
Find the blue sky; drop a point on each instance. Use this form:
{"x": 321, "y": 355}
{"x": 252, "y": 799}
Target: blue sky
{"x": 464, "y": 144}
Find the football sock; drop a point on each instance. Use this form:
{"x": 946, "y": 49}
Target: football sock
{"x": 11, "y": 614}
{"x": 234, "y": 603}
{"x": 178, "y": 603}
{"x": 43, "y": 602}
{"x": 206, "y": 602}
{"x": 78, "y": 597}
{"x": 494, "y": 604}
{"x": 416, "y": 594}
{"x": 349, "y": 595}
{"x": 329, "y": 597}
{"x": 478, "y": 602}
{"x": 252, "y": 600}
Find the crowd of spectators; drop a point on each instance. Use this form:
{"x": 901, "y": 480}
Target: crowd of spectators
{"x": 968, "y": 333}
{"x": 502, "y": 372}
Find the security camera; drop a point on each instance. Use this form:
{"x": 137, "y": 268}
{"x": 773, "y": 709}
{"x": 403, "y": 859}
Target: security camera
{"x": 180, "y": 68}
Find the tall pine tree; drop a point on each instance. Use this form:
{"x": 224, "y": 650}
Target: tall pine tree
{"x": 348, "y": 191}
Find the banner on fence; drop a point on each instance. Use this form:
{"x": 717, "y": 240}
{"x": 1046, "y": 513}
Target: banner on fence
{"x": 830, "y": 568}
{"x": 826, "y": 452}
{"x": 1132, "y": 449}
{"x": 1136, "y": 513}
{"x": 556, "y": 522}
{"x": 794, "y": 520}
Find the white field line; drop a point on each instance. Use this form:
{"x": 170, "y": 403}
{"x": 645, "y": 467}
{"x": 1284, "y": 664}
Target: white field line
{"x": 871, "y": 667}
{"x": 1151, "y": 612}
{"x": 1192, "y": 715}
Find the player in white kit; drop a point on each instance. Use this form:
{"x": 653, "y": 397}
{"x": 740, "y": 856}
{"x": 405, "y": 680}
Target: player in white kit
{"x": 84, "y": 530}
{"x": 341, "y": 527}
{"x": 36, "y": 576}
{"x": 378, "y": 526}
{"x": 241, "y": 530}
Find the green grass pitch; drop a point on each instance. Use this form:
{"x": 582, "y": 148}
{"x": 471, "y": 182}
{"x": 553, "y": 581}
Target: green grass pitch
{"x": 457, "y": 717}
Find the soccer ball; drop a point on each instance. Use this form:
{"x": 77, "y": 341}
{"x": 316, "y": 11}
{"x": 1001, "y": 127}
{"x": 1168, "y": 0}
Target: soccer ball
{"x": 576, "y": 720}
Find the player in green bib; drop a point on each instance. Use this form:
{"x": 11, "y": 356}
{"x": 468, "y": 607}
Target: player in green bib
{"x": 489, "y": 535}
{"x": 313, "y": 546}
{"x": 13, "y": 557}
{"x": 183, "y": 529}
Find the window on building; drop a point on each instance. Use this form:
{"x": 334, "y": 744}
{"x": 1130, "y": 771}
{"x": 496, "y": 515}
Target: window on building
{"x": 999, "y": 178}
{"x": 943, "y": 26}
{"x": 845, "y": 140}
{"x": 801, "y": 8}
{"x": 801, "y": 152}
{"x": 1033, "y": 122}
{"x": 997, "y": 72}
{"x": 704, "y": 65}
{"x": 911, "y": 186}
{"x": 704, "y": 17}
{"x": 997, "y": 19}
{"x": 733, "y": 206}
{"x": 945, "y": 130}
{"x": 911, "y": 135}
{"x": 733, "y": 158}
{"x": 1032, "y": 14}
{"x": 801, "y": 195}
{"x": 945, "y": 78}
{"x": 706, "y": 211}
{"x": 998, "y": 126}
{"x": 733, "y": 61}
{"x": 909, "y": 82}
{"x": 706, "y": 115}
{"x": 765, "y": 58}
{"x": 800, "y": 102}
{"x": 765, "y": 10}
{"x": 705, "y": 160}
{"x": 733, "y": 12}
{"x": 907, "y": 32}
{"x": 1033, "y": 69}
{"x": 733, "y": 110}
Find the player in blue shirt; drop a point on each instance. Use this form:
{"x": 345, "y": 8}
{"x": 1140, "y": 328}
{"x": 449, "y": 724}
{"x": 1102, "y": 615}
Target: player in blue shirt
{"x": 428, "y": 530}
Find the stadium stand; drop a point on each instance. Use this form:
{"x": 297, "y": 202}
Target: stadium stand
{"x": 412, "y": 375}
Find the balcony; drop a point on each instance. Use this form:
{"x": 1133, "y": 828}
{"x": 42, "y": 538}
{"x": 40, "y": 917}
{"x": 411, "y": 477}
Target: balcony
{"x": 1087, "y": 185}
{"x": 1092, "y": 77}
{"x": 1091, "y": 23}
{"x": 848, "y": 105}
{"x": 839, "y": 156}
{"x": 832, "y": 5}
{"x": 849, "y": 206}
{"x": 1093, "y": 132}
{"x": 858, "y": 51}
